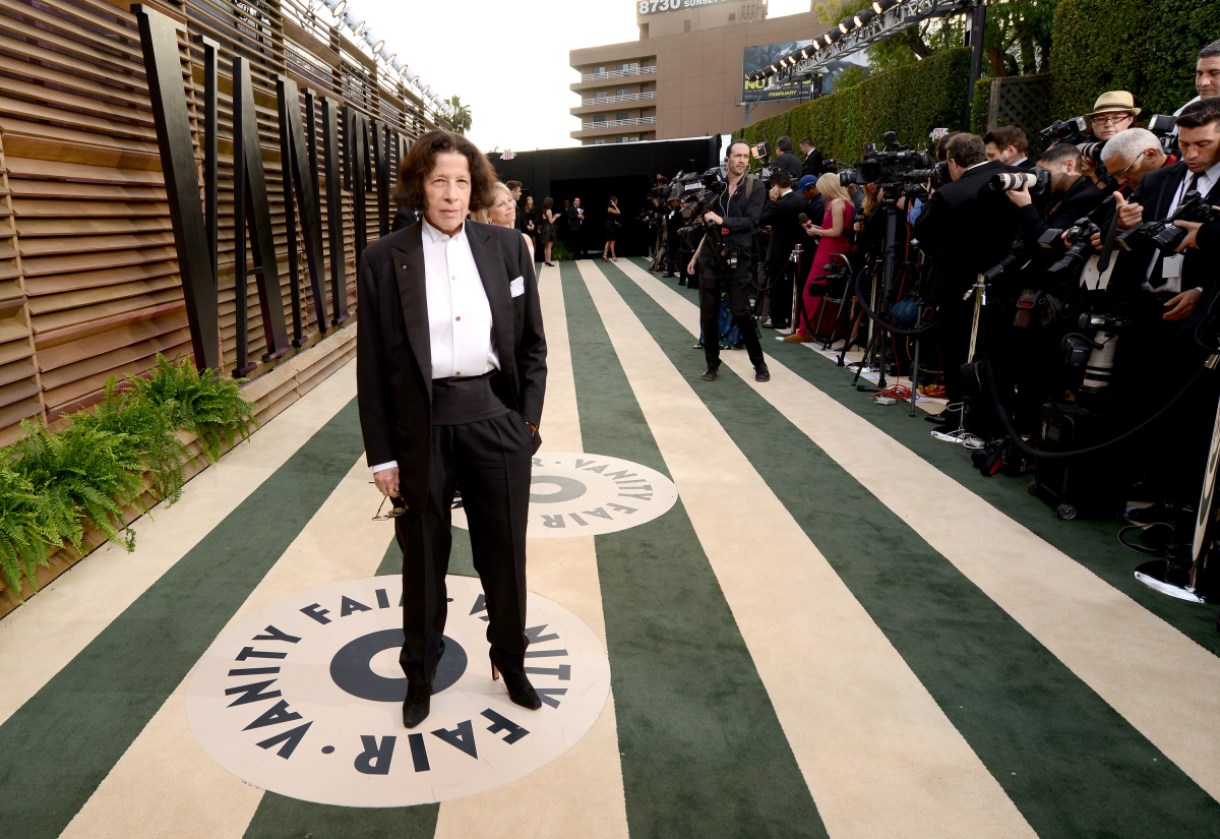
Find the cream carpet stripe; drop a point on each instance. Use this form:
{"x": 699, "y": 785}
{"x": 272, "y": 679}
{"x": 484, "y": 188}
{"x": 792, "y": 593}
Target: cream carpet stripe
{"x": 165, "y": 778}
{"x": 879, "y": 756}
{"x": 1162, "y": 682}
{"x": 581, "y": 793}
{"x": 42, "y": 636}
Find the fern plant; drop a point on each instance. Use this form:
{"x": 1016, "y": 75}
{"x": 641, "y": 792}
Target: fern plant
{"x": 209, "y": 404}
{"x": 145, "y": 430}
{"x": 82, "y": 473}
{"x": 26, "y": 531}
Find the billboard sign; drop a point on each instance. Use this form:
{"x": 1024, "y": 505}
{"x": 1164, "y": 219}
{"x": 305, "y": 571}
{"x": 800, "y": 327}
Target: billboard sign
{"x": 775, "y": 88}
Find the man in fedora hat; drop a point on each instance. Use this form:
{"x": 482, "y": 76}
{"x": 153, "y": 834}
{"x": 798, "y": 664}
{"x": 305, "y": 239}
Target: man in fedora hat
{"x": 1114, "y": 111}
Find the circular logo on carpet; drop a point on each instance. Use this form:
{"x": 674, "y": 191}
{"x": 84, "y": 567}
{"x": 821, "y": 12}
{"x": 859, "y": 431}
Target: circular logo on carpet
{"x": 577, "y": 494}
{"x": 304, "y": 698}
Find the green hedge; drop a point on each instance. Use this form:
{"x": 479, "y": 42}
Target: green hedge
{"x": 1145, "y": 46}
{"x": 910, "y": 100}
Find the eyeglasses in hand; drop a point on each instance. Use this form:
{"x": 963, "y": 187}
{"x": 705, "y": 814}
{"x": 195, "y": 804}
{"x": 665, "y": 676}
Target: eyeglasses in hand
{"x": 398, "y": 506}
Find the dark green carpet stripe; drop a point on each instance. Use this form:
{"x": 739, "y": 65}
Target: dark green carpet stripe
{"x": 703, "y": 753}
{"x": 59, "y": 746}
{"x": 1092, "y": 543}
{"x": 1071, "y": 764}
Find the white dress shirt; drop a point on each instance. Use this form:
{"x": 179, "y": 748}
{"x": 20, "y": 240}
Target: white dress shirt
{"x": 1207, "y": 180}
{"x": 459, "y": 316}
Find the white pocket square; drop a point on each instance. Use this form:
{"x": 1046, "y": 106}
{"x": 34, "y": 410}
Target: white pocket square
{"x": 517, "y": 287}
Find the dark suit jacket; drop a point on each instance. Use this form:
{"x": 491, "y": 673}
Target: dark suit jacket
{"x": 783, "y": 217}
{"x": 966, "y": 227}
{"x": 813, "y": 163}
{"x": 1154, "y": 194}
{"x": 790, "y": 164}
{"x": 393, "y": 350}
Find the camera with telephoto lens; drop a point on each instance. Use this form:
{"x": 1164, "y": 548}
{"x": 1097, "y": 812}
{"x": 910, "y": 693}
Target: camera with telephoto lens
{"x": 890, "y": 166}
{"x": 1079, "y": 245}
{"x": 1089, "y": 353}
{"x": 1017, "y": 257}
{"x": 1072, "y": 130}
{"x": 1166, "y": 236}
{"x": 938, "y": 175}
{"x": 1035, "y": 182}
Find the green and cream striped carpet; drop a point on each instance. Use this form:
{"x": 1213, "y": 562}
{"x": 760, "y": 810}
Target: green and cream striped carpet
{"x": 839, "y": 629}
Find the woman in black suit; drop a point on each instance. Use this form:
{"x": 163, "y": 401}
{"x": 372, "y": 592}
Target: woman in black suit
{"x": 451, "y": 372}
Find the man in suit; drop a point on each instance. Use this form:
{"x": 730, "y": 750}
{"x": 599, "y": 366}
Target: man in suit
{"x": 1165, "y": 296}
{"x": 812, "y": 164}
{"x": 966, "y": 228}
{"x": 786, "y": 160}
{"x": 1008, "y": 144}
{"x": 451, "y": 372}
{"x": 782, "y": 215}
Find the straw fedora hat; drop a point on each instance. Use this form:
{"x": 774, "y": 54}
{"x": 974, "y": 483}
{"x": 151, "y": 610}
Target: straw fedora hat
{"x": 1115, "y": 100}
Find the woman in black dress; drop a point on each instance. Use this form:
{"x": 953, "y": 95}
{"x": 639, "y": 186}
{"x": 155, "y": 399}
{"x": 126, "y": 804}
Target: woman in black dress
{"x": 613, "y": 222}
{"x": 549, "y": 217}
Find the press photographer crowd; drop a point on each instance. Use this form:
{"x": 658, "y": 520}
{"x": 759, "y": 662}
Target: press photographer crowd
{"x": 1067, "y": 301}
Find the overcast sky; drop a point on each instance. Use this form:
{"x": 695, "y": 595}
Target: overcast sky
{"x": 507, "y": 60}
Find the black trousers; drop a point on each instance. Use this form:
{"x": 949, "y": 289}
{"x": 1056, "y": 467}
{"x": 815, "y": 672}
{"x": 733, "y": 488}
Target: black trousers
{"x": 489, "y": 459}
{"x": 738, "y": 284}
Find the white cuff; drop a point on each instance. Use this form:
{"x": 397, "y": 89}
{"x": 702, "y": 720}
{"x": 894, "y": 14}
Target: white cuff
{"x": 381, "y": 467}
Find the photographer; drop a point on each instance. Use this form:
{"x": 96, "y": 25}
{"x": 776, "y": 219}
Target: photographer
{"x": 782, "y": 213}
{"x": 725, "y": 258}
{"x": 1131, "y": 154}
{"x": 966, "y": 228}
{"x": 1165, "y": 295}
{"x": 1071, "y": 196}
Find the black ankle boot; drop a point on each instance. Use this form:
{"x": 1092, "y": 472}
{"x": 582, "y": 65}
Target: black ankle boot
{"x": 518, "y": 684}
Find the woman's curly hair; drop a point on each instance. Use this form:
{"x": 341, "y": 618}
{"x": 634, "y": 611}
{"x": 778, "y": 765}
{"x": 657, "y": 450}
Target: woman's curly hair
{"x": 421, "y": 160}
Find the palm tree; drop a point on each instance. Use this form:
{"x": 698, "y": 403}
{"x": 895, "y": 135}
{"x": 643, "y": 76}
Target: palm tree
{"x": 459, "y": 120}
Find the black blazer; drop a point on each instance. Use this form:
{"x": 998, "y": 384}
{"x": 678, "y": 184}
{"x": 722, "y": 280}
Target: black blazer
{"x": 783, "y": 216}
{"x": 966, "y": 228}
{"x": 393, "y": 348}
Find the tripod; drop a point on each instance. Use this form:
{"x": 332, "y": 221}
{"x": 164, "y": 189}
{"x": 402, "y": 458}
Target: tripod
{"x": 877, "y": 344}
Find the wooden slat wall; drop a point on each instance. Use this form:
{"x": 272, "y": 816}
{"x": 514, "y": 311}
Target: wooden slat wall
{"x": 89, "y": 282}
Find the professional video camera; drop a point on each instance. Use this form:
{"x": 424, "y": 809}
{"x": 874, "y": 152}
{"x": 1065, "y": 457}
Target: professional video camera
{"x": 1077, "y": 238}
{"x": 696, "y": 192}
{"x": 891, "y": 167}
{"x": 1074, "y": 130}
{"x": 1164, "y": 127}
{"x": 1166, "y": 236}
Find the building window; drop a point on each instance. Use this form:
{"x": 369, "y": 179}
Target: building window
{"x": 621, "y": 115}
{"x": 600, "y": 141}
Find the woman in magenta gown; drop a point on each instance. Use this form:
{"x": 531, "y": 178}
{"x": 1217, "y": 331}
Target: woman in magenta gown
{"x": 834, "y": 232}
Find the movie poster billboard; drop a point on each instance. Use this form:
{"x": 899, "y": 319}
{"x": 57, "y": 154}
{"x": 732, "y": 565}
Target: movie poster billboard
{"x": 773, "y": 88}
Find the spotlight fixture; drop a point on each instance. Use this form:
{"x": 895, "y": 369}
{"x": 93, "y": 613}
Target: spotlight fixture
{"x": 337, "y": 9}
{"x": 880, "y": 6}
{"x": 864, "y": 16}
{"x": 832, "y": 36}
{"x": 845, "y": 25}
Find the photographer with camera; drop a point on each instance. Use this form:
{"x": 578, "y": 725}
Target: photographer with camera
{"x": 966, "y": 228}
{"x": 782, "y": 213}
{"x": 1160, "y": 284}
{"x": 725, "y": 257}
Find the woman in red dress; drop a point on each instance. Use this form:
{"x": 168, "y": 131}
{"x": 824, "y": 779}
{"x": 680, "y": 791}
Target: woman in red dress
{"x": 834, "y": 232}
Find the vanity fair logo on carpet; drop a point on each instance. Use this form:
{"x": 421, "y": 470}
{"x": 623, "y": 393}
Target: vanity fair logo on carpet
{"x": 304, "y": 698}
{"x": 577, "y": 494}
